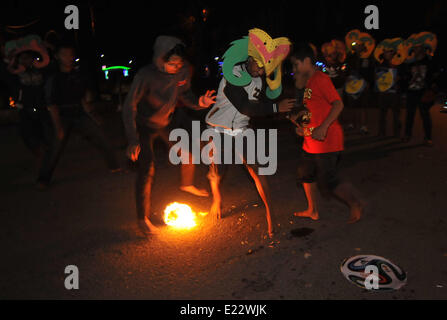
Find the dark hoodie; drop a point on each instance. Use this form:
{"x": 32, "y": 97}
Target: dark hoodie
{"x": 154, "y": 93}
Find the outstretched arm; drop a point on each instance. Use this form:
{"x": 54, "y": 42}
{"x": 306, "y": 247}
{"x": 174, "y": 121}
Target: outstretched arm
{"x": 239, "y": 98}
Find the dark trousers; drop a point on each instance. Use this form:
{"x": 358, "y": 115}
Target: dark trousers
{"x": 146, "y": 170}
{"x": 389, "y": 101}
{"x": 84, "y": 125}
{"x": 413, "y": 102}
{"x": 320, "y": 168}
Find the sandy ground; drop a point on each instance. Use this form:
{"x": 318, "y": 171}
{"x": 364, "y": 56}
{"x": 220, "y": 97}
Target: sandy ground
{"x": 87, "y": 219}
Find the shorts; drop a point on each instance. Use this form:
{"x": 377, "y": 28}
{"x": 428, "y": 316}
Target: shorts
{"x": 321, "y": 168}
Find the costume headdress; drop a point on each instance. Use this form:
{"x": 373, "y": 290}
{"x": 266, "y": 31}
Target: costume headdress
{"x": 356, "y": 37}
{"x": 28, "y": 43}
{"x": 267, "y": 52}
{"x": 427, "y": 40}
{"x": 400, "y": 47}
{"x": 334, "y": 51}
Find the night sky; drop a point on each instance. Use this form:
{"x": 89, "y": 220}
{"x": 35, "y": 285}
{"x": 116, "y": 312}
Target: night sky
{"x": 126, "y": 29}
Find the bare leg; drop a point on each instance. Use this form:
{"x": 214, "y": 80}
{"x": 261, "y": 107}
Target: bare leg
{"x": 214, "y": 178}
{"x": 187, "y": 172}
{"x": 143, "y": 193}
{"x": 310, "y": 189}
{"x": 187, "y": 169}
{"x": 346, "y": 192}
{"x": 262, "y": 187}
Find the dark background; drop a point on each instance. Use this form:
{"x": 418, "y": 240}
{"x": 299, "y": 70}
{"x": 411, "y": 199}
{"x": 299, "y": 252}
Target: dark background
{"x": 125, "y": 30}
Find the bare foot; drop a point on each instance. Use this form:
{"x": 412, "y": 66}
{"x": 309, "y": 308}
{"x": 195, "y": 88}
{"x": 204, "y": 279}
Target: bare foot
{"x": 308, "y": 214}
{"x": 147, "y": 227}
{"x": 216, "y": 210}
{"x": 356, "y": 213}
{"x": 193, "y": 190}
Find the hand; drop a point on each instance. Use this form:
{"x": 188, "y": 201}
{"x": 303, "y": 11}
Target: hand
{"x": 286, "y": 105}
{"x": 133, "y": 152}
{"x": 300, "y": 131}
{"x": 207, "y": 99}
{"x": 319, "y": 133}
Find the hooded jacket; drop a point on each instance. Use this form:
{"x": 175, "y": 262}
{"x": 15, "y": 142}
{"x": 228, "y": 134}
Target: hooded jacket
{"x": 154, "y": 94}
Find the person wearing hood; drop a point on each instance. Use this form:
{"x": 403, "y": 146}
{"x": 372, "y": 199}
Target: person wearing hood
{"x": 147, "y": 115}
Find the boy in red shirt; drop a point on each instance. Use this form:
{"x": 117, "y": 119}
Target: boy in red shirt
{"x": 323, "y": 137}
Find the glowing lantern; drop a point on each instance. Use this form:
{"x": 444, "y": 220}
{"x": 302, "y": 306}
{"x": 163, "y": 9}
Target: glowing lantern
{"x": 180, "y": 216}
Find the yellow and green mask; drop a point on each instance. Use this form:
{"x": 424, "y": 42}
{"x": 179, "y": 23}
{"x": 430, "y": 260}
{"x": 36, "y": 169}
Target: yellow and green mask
{"x": 267, "y": 52}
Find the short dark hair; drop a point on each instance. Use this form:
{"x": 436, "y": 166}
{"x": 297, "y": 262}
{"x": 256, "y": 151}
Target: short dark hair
{"x": 302, "y": 51}
{"x": 178, "y": 50}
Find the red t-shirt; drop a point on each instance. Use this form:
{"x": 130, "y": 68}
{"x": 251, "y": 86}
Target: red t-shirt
{"x": 318, "y": 98}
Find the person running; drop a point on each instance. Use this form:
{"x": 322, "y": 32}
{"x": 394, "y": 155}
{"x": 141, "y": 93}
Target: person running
{"x": 147, "y": 114}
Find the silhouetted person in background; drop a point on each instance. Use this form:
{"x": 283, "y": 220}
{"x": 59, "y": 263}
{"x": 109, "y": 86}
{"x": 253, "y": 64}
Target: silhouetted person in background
{"x": 68, "y": 99}
{"x": 420, "y": 94}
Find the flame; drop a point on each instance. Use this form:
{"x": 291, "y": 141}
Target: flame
{"x": 180, "y": 216}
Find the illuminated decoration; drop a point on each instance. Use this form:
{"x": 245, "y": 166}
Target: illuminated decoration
{"x": 321, "y": 66}
{"x": 180, "y": 216}
{"x": 77, "y": 60}
{"x": 107, "y": 69}
{"x": 104, "y": 68}
{"x": 428, "y": 40}
{"x": 220, "y": 63}
{"x": 355, "y": 38}
{"x": 398, "y": 45}
{"x": 12, "y": 103}
{"x": 102, "y": 56}
{"x": 205, "y": 14}
{"x": 334, "y": 52}
{"x": 130, "y": 62}
{"x": 267, "y": 52}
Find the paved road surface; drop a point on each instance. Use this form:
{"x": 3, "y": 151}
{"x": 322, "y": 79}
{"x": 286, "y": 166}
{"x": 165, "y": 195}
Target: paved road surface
{"x": 87, "y": 219}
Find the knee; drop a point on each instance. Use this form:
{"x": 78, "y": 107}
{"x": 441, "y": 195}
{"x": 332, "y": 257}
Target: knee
{"x": 305, "y": 176}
